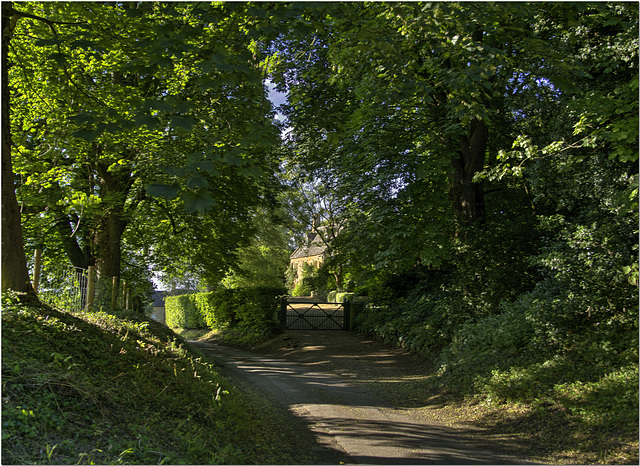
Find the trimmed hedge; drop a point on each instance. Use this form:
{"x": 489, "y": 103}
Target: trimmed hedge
{"x": 244, "y": 307}
{"x": 340, "y": 297}
{"x": 182, "y": 312}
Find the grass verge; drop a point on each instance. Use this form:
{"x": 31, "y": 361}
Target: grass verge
{"x": 96, "y": 388}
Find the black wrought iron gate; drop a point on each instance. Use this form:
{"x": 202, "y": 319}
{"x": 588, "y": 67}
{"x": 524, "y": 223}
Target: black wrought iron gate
{"x": 304, "y": 314}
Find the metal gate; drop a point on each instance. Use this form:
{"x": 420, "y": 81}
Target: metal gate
{"x": 304, "y": 314}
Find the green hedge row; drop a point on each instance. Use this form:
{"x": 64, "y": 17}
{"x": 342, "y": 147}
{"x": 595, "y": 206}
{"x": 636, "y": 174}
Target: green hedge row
{"x": 340, "y": 297}
{"x": 245, "y": 307}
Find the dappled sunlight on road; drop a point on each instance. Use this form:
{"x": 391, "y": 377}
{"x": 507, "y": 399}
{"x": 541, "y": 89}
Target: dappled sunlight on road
{"x": 364, "y": 425}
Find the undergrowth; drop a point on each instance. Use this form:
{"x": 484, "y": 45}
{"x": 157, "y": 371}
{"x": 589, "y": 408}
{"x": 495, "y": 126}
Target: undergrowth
{"x": 240, "y": 336}
{"x": 522, "y": 357}
{"x": 96, "y": 388}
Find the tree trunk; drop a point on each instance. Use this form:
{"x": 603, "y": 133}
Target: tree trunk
{"x": 79, "y": 258}
{"x": 109, "y": 229}
{"x": 338, "y": 275}
{"x": 107, "y": 245}
{"x": 468, "y": 197}
{"x": 15, "y": 275}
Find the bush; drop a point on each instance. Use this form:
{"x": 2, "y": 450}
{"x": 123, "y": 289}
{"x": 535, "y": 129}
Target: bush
{"x": 258, "y": 306}
{"x": 343, "y": 297}
{"x": 426, "y": 320}
{"x": 182, "y": 312}
{"x": 254, "y": 308}
{"x": 301, "y": 290}
{"x": 222, "y": 310}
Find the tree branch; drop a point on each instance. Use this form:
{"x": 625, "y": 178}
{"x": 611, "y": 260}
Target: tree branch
{"x": 49, "y": 22}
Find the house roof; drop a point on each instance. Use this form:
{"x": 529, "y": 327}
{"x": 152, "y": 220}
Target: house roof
{"x": 158, "y": 298}
{"x": 313, "y": 246}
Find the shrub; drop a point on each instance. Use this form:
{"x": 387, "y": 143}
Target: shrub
{"x": 253, "y": 309}
{"x": 258, "y": 306}
{"x": 182, "y": 312}
{"x": 425, "y": 320}
{"x": 343, "y": 297}
{"x": 301, "y": 290}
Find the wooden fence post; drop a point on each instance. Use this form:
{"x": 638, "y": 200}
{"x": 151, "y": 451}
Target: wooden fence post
{"x": 36, "y": 269}
{"x": 282, "y": 313}
{"x": 346, "y": 321}
{"x": 114, "y": 292}
{"x": 356, "y": 307}
{"x": 91, "y": 286}
{"x": 124, "y": 294}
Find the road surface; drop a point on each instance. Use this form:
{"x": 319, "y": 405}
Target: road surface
{"x": 347, "y": 418}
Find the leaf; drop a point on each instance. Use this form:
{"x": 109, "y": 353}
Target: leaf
{"x": 45, "y": 42}
{"x": 88, "y": 45}
{"x": 59, "y": 58}
{"x": 205, "y": 83}
{"x": 197, "y": 201}
{"x": 88, "y": 135}
{"x": 83, "y": 117}
{"x": 160, "y": 105}
{"x": 133, "y": 11}
{"x": 333, "y": 139}
{"x": 564, "y": 85}
{"x": 197, "y": 181}
{"x": 183, "y": 122}
{"x": 232, "y": 160}
{"x": 163, "y": 190}
{"x": 149, "y": 121}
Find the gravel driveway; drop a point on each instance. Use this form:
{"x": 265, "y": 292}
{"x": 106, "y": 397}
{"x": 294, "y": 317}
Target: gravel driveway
{"x": 355, "y": 395}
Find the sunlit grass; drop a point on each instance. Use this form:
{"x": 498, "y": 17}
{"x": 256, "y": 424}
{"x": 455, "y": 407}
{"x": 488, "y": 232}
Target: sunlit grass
{"x": 103, "y": 389}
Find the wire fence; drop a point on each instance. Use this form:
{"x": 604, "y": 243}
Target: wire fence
{"x": 64, "y": 288}
{"x": 74, "y": 289}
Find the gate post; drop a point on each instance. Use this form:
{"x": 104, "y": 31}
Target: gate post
{"x": 91, "y": 286}
{"x": 37, "y": 257}
{"x": 346, "y": 322}
{"x": 114, "y": 293}
{"x": 282, "y": 313}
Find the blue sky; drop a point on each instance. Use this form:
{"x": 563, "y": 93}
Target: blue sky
{"x": 277, "y": 98}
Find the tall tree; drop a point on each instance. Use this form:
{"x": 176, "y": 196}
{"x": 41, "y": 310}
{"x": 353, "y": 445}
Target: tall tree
{"x": 133, "y": 101}
{"x": 413, "y": 93}
{"x": 14, "y": 264}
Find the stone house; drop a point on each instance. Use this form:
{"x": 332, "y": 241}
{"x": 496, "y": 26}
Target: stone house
{"x": 312, "y": 252}
{"x": 158, "y": 305}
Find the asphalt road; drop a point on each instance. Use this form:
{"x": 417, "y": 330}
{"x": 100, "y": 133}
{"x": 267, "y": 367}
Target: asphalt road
{"x": 347, "y": 418}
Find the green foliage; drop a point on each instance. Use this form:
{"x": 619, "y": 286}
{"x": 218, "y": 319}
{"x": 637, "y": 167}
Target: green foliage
{"x": 339, "y": 297}
{"x": 423, "y": 321}
{"x": 265, "y": 259}
{"x": 538, "y": 294}
{"x": 309, "y": 282}
{"x": 132, "y": 139}
{"x": 183, "y": 312}
{"x": 302, "y": 289}
{"x": 245, "y": 314}
{"x": 402, "y": 116}
{"x": 289, "y": 277}
{"x": 217, "y": 308}
{"x": 258, "y": 305}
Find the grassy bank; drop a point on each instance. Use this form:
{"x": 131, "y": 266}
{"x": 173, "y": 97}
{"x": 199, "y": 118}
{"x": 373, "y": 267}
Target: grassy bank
{"x": 95, "y": 388}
